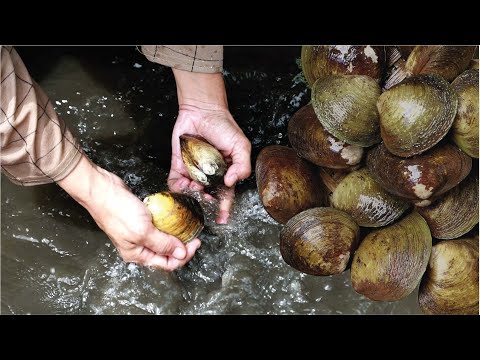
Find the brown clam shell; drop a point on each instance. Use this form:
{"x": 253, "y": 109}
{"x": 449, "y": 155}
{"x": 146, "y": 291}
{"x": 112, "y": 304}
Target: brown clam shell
{"x": 313, "y": 143}
{"x": 319, "y": 241}
{"x": 456, "y": 212}
{"x": 323, "y": 60}
{"x": 286, "y": 183}
{"x": 445, "y": 61}
{"x": 465, "y": 125}
{"x": 390, "y": 262}
{"x": 450, "y": 284}
{"x": 416, "y": 114}
{"x": 420, "y": 178}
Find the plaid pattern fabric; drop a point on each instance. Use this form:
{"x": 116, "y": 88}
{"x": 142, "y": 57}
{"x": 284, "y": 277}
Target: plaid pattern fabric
{"x": 36, "y": 146}
{"x": 195, "y": 58}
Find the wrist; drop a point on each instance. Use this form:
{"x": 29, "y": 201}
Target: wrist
{"x": 82, "y": 183}
{"x": 200, "y": 90}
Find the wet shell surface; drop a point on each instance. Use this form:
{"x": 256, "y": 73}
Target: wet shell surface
{"x": 286, "y": 183}
{"x": 204, "y": 163}
{"x": 416, "y": 114}
{"x": 346, "y": 107}
{"x": 313, "y": 143}
{"x": 176, "y": 214}
{"x": 319, "y": 241}
{"x": 390, "y": 261}
{"x": 321, "y": 61}
{"x": 421, "y": 178}
{"x": 465, "y": 125}
{"x": 450, "y": 284}
{"x": 445, "y": 61}
{"x": 359, "y": 195}
{"x": 456, "y": 212}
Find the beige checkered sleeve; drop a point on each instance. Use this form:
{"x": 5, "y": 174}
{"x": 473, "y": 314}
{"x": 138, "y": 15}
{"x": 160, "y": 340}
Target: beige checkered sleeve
{"x": 36, "y": 146}
{"x": 194, "y": 58}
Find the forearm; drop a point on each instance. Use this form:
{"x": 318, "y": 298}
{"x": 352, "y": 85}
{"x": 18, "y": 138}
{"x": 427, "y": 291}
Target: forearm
{"x": 36, "y": 146}
{"x": 201, "y": 90}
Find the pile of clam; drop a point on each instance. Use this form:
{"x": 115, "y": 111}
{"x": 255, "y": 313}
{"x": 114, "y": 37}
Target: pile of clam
{"x": 379, "y": 174}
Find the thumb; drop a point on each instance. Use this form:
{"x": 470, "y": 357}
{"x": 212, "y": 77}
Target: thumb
{"x": 165, "y": 244}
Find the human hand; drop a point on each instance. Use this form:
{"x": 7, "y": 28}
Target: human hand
{"x": 125, "y": 219}
{"x": 203, "y": 110}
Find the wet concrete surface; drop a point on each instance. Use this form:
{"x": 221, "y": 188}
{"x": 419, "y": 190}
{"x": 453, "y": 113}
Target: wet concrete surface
{"x": 55, "y": 260}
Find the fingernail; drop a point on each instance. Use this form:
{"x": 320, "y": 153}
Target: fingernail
{"x": 179, "y": 253}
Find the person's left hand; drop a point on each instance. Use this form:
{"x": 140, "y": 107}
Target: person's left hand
{"x": 220, "y": 129}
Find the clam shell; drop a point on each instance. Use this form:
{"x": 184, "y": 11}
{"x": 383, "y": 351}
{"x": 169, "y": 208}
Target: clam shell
{"x": 456, "y": 212}
{"x": 286, "y": 183}
{"x": 450, "y": 284}
{"x": 421, "y": 178}
{"x": 176, "y": 214}
{"x": 321, "y": 61}
{"x": 346, "y": 107}
{"x": 390, "y": 261}
{"x": 204, "y": 163}
{"x": 416, "y": 114}
{"x": 359, "y": 195}
{"x": 319, "y": 241}
{"x": 465, "y": 126}
{"x": 445, "y": 61}
{"x": 313, "y": 143}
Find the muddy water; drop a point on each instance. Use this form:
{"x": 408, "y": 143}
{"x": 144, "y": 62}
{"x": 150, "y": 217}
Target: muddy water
{"x": 54, "y": 259}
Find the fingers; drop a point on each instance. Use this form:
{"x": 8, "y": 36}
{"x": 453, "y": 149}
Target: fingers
{"x": 226, "y": 197}
{"x": 169, "y": 263}
{"x": 164, "y": 244}
{"x": 241, "y": 167}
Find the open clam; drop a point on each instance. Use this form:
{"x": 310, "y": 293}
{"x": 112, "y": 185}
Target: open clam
{"x": 286, "y": 183}
{"x": 323, "y": 60}
{"x": 450, "y": 284}
{"x": 390, "y": 261}
{"x": 416, "y": 114}
{"x": 359, "y": 195}
{"x": 456, "y": 212}
{"x": 319, "y": 241}
{"x": 465, "y": 125}
{"x": 313, "y": 143}
{"x": 204, "y": 163}
{"x": 421, "y": 178}
{"x": 346, "y": 107}
{"x": 176, "y": 214}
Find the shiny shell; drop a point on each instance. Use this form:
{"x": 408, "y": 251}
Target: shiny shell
{"x": 346, "y": 107}
{"x": 456, "y": 212}
{"x": 323, "y": 60}
{"x": 359, "y": 195}
{"x": 465, "y": 126}
{"x": 416, "y": 114}
{"x": 390, "y": 261}
{"x": 319, "y": 241}
{"x": 450, "y": 284}
{"x": 445, "y": 61}
{"x": 176, "y": 214}
{"x": 421, "y": 178}
{"x": 473, "y": 64}
{"x": 313, "y": 143}
{"x": 286, "y": 183}
{"x": 204, "y": 163}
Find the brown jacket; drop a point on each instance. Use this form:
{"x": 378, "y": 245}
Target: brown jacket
{"x": 36, "y": 145}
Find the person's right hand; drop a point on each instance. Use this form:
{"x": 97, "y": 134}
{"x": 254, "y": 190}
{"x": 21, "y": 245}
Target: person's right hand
{"x": 125, "y": 219}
